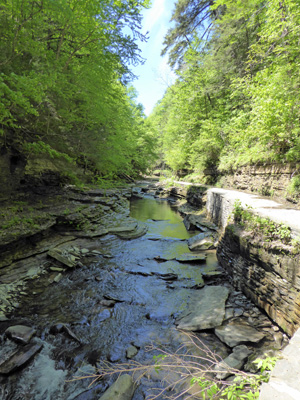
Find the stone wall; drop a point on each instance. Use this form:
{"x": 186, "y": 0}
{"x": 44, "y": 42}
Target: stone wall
{"x": 269, "y": 276}
{"x": 271, "y": 279}
{"x": 272, "y": 179}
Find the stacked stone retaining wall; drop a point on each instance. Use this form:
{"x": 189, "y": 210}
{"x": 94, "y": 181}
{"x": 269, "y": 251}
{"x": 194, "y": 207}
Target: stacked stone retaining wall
{"x": 269, "y": 275}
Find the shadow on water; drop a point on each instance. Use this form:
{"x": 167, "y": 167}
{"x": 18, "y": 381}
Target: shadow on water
{"x": 110, "y": 304}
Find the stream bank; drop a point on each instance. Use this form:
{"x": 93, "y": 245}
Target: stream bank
{"x": 267, "y": 271}
{"x": 106, "y": 281}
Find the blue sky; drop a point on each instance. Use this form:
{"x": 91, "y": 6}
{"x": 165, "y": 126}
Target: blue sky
{"x": 155, "y": 75}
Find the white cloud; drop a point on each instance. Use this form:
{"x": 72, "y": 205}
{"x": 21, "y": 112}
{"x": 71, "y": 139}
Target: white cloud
{"x": 165, "y": 75}
{"x": 153, "y": 15}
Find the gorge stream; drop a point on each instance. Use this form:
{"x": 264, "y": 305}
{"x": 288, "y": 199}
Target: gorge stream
{"x": 125, "y": 297}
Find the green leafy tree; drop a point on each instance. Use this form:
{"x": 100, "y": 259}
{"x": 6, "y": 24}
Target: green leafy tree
{"x": 64, "y": 70}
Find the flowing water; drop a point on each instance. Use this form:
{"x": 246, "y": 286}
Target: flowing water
{"x": 142, "y": 312}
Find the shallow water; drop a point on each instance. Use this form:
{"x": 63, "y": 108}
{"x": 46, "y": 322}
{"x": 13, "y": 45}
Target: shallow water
{"x": 144, "y": 313}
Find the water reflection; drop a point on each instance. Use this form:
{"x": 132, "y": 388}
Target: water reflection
{"x": 144, "y": 312}
{"x": 161, "y": 219}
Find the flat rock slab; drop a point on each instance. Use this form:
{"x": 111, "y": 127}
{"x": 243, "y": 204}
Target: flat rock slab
{"x": 62, "y": 258}
{"x": 124, "y": 228}
{"x": 206, "y": 310}
{"x": 20, "y": 333}
{"x": 194, "y": 241}
{"x": 235, "y": 334}
{"x": 122, "y": 389}
{"x": 140, "y": 230}
{"x": 19, "y": 358}
{"x": 190, "y": 258}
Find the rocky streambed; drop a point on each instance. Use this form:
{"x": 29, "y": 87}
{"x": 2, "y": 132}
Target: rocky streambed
{"x": 94, "y": 278}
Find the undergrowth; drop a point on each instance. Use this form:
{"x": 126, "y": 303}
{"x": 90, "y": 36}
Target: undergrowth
{"x": 191, "y": 376}
{"x": 264, "y": 227}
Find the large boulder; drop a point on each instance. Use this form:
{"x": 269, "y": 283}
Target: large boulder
{"x": 20, "y": 333}
{"x": 122, "y": 389}
{"x": 235, "y": 334}
{"x": 206, "y": 310}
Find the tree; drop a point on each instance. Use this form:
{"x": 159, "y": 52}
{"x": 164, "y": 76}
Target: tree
{"x": 190, "y": 17}
{"x": 64, "y": 70}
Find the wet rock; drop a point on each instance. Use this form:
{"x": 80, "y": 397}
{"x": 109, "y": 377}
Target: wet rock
{"x": 19, "y": 358}
{"x": 58, "y": 278}
{"x": 131, "y": 351}
{"x": 84, "y": 251}
{"x": 197, "y": 242}
{"x": 112, "y": 297}
{"x": 122, "y": 389}
{"x": 20, "y": 333}
{"x": 161, "y": 259}
{"x": 168, "y": 277}
{"x": 103, "y": 315}
{"x": 192, "y": 222}
{"x": 206, "y": 310}
{"x": 191, "y": 258}
{"x": 127, "y": 227}
{"x": 62, "y": 258}
{"x": 139, "y": 231}
{"x": 235, "y": 360}
{"x": 229, "y": 313}
{"x": 115, "y": 355}
{"x": 238, "y": 312}
{"x": 206, "y": 244}
{"x": 75, "y": 251}
{"x": 235, "y": 334}
{"x": 107, "y": 256}
{"x": 108, "y": 303}
{"x": 137, "y": 193}
{"x": 62, "y": 328}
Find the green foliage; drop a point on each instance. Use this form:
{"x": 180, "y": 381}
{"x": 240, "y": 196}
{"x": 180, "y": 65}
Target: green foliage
{"x": 188, "y": 15}
{"x": 44, "y": 148}
{"x": 243, "y": 386}
{"x": 293, "y": 188}
{"x": 260, "y": 226}
{"x": 64, "y": 82}
{"x": 158, "y": 361}
{"x": 235, "y": 101}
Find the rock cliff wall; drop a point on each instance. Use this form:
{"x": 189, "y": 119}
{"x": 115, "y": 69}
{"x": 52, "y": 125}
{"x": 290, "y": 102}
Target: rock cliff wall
{"x": 19, "y": 171}
{"x": 271, "y": 279}
{"x": 272, "y": 179}
{"x": 269, "y": 275}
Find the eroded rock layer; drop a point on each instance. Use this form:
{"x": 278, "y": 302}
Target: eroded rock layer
{"x": 268, "y": 276}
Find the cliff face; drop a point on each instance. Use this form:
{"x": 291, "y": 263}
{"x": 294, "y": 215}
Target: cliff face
{"x": 18, "y": 171}
{"x": 266, "y": 272}
{"x": 269, "y": 277}
{"x": 268, "y": 180}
